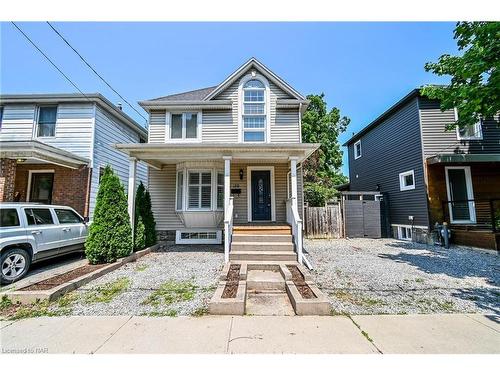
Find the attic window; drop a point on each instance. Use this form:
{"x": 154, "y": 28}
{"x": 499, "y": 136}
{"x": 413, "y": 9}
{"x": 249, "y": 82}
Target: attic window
{"x": 254, "y": 111}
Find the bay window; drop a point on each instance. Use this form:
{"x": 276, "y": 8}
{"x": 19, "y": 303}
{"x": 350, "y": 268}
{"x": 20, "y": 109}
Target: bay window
{"x": 254, "y": 111}
{"x": 199, "y": 190}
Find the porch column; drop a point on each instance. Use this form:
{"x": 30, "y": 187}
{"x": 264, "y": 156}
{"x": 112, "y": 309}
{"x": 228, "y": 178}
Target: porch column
{"x": 131, "y": 190}
{"x": 293, "y": 182}
{"x": 227, "y": 181}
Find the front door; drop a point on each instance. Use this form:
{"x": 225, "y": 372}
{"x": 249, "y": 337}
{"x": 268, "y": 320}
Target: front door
{"x": 460, "y": 195}
{"x": 41, "y": 187}
{"x": 261, "y": 195}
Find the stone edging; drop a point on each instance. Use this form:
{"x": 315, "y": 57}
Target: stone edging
{"x": 31, "y": 296}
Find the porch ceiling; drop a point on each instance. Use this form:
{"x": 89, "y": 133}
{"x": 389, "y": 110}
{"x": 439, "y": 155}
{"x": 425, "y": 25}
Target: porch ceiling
{"x": 34, "y": 150}
{"x": 158, "y": 154}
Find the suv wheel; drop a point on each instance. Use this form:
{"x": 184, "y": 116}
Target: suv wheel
{"x": 14, "y": 264}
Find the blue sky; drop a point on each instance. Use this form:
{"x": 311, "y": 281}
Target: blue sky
{"x": 363, "y": 68}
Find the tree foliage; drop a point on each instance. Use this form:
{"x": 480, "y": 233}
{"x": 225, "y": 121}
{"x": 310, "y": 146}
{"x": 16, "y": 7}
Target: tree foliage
{"x": 144, "y": 212}
{"x": 322, "y": 126}
{"x": 475, "y": 77}
{"x": 321, "y": 170}
{"x": 110, "y": 233}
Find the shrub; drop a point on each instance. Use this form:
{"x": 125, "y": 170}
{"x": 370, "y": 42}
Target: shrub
{"x": 110, "y": 234}
{"x": 317, "y": 195}
{"x": 140, "y": 235}
{"x": 149, "y": 221}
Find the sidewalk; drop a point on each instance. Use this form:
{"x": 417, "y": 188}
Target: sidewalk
{"x": 458, "y": 333}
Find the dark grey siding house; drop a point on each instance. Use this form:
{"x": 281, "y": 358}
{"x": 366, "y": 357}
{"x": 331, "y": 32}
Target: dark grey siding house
{"x": 431, "y": 174}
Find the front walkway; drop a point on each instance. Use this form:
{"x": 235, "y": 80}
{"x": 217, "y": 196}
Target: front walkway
{"x": 438, "y": 333}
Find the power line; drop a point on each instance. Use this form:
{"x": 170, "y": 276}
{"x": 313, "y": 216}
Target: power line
{"x": 49, "y": 60}
{"x": 92, "y": 68}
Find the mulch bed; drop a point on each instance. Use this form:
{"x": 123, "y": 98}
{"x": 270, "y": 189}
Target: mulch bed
{"x": 298, "y": 279}
{"x": 64, "y": 278}
{"x": 233, "y": 278}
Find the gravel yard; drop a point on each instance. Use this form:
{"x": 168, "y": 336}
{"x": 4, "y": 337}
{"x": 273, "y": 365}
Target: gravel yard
{"x": 386, "y": 276}
{"x": 179, "y": 281}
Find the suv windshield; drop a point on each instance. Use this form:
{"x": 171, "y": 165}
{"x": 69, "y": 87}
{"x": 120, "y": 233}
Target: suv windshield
{"x": 9, "y": 217}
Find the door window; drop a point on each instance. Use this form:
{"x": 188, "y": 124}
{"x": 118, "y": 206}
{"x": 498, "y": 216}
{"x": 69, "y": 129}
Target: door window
{"x": 68, "y": 217}
{"x": 41, "y": 187}
{"x": 38, "y": 216}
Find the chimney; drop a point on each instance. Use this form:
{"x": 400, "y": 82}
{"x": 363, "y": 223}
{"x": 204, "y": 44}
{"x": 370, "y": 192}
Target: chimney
{"x": 119, "y": 105}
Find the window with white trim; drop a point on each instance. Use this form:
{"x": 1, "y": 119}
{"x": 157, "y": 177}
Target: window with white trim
{"x": 357, "y": 149}
{"x": 254, "y": 111}
{"x": 184, "y": 126}
{"x": 46, "y": 124}
{"x": 404, "y": 233}
{"x": 407, "y": 180}
{"x": 220, "y": 190}
{"x": 180, "y": 190}
{"x": 470, "y": 132}
{"x": 199, "y": 195}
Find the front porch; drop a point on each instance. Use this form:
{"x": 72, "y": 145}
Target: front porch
{"x": 36, "y": 172}
{"x": 201, "y": 191}
{"x": 465, "y": 192}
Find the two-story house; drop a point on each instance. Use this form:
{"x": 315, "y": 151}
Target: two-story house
{"x": 227, "y": 159}
{"x": 431, "y": 174}
{"x": 54, "y": 147}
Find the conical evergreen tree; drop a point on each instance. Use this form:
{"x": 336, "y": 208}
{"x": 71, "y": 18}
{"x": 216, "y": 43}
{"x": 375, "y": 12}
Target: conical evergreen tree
{"x": 110, "y": 234}
{"x": 140, "y": 237}
{"x": 149, "y": 221}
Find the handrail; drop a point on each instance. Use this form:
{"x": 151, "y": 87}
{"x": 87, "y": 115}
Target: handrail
{"x": 295, "y": 221}
{"x": 228, "y": 229}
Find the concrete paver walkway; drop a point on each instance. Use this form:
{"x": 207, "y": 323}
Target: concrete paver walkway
{"x": 459, "y": 333}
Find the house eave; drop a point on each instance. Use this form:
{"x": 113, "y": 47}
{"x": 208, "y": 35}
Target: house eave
{"x": 185, "y": 104}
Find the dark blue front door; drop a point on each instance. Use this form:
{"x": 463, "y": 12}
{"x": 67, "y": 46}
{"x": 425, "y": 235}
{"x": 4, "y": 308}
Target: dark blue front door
{"x": 261, "y": 195}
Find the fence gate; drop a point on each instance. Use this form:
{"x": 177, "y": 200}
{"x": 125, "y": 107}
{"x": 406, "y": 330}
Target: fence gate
{"x": 323, "y": 222}
{"x": 365, "y": 214}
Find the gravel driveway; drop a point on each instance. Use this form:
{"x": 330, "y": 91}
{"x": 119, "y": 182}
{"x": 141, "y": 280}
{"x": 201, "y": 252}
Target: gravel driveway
{"x": 179, "y": 281}
{"x": 386, "y": 276}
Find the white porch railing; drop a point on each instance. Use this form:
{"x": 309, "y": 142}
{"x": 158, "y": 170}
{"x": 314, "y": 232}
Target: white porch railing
{"x": 293, "y": 218}
{"x": 228, "y": 229}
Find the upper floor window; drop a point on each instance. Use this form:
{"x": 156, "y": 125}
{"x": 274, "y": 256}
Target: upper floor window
{"x": 357, "y": 149}
{"x": 254, "y": 111}
{"x": 184, "y": 126}
{"x": 47, "y": 117}
{"x": 407, "y": 180}
{"x": 474, "y": 131}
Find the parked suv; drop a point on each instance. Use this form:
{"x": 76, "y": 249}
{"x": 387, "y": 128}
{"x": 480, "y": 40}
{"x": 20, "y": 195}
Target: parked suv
{"x": 31, "y": 232}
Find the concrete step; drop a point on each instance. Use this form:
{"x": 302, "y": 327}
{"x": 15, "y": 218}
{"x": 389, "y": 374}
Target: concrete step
{"x": 265, "y": 280}
{"x": 287, "y": 256}
{"x": 239, "y": 237}
{"x": 268, "y": 303}
{"x": 262, "y": 246}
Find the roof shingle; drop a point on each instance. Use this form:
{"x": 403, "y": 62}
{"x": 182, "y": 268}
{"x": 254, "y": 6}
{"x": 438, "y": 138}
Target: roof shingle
{"x": 188, "y": 95}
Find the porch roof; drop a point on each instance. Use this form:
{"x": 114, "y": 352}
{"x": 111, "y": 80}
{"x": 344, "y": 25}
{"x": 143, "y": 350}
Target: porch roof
{"x": 41, "y": 152}
{"x": 463, "y": 158}
{"x": 167, "y": 153}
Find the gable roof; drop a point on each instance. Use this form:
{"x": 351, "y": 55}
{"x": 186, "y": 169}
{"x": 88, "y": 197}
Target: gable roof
{"x": 412, "y": 94}
{"x": 253, "y": 62}
{"x": 198, "y": 94}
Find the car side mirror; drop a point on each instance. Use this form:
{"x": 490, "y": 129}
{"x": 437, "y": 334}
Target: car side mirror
{"x": 86, "y": 219}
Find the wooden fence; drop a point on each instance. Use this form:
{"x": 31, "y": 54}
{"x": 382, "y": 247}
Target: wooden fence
{"x": 323, "y": 222}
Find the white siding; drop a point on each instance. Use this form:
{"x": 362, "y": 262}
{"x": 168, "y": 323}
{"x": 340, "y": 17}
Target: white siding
{"x": 73, "y": 129}
{"x": 17, "y": 122}
{"x": 157, "y": 126}
{"x": 108, "y": 132}
{"x": 162, "y": 189}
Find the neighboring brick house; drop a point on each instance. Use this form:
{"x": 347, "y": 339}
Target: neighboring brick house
{"x": 53, "y": 147}
{"x": 431, "y": 174}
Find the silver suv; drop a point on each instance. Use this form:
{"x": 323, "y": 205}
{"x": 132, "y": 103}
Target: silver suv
{"x": 31, "y": 232}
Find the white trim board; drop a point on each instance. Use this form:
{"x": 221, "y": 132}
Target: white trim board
{"x": 249, "y": 190}
{"x": 470, "y": 195}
